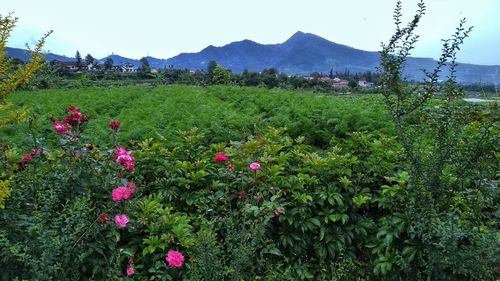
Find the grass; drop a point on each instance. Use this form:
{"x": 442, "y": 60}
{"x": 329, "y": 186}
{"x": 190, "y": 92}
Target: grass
{"x": 222, "y": 113}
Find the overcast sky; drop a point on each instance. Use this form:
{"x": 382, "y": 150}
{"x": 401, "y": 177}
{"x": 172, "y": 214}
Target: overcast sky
{"x": 165, "y": 28}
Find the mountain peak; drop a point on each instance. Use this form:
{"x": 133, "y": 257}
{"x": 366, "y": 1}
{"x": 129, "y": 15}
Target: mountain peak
{"x": 300, "y": 36}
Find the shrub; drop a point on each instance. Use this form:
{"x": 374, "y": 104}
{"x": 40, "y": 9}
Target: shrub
{"x": 440, "y": 215}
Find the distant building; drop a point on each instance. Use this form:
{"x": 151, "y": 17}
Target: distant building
{"x": 335, "y": 82}
{"x": 126, "y": 68}
{"x": 364, "y": 84}
{"x": 93, "y": 66}
{"x": 66, "y": 65}
{"x": 339, "y": 83}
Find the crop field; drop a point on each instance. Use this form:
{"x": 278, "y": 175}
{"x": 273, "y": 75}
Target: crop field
{"x": 221, "y": 113}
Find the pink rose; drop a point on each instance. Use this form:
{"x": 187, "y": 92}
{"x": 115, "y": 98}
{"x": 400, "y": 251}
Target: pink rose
{"x": 27, "y": 157}
{"x": 31, "y": 154}
{"x": 129, "y": 165}
{"x": 103, "y": 218}
{"x": 220, "y": 157}
{"x": 254, "y": 166}
{"x": 76, "y": 118}
{"x": 72, "y": 108}
{"x": 174, "y": 258}
{"x": 278, "y": 211}
{"x": 114, "y": 125}
{"x": 241, "y": 194}
{"x": 121, "y": 220}
{"x": 130, "y": 271}
{"x": 121, "y": 193}
{"x": 119, "y": 151}
{"x": 61, "y": 128}
{"x": 124, "y": 158}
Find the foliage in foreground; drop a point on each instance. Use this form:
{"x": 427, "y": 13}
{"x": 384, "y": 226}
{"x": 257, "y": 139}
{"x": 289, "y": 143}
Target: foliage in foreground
{"x": 268, "y": 207}
{"x": 298, "y": 206}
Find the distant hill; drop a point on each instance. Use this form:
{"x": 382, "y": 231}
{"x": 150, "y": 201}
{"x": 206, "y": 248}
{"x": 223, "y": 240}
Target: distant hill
{"x": 24, "y": 55}
{"x": 153, "y": 62}
{"x": 119, "y": 60}
{"x": 301, "y": 54}
{"x": 304, "y": 53}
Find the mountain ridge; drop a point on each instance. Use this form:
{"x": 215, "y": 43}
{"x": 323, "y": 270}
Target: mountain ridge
{"x": 301, "y": 54}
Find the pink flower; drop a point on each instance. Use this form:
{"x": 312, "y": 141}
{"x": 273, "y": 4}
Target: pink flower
{"x": 241, "y": 194}
{"x": 114, "y": 126}
{"x": 31, "y": 154}
{"x": 121, "y": 193}
{"x": 124, "y": 158}
{"x": 103, "y": 218}
{"x": 129, "y": 165}
{"x": 119, "y": 151}
{"x": 254, "y": 166}
{"x": 75, "y": 118}
{"x": 27, "y": 157}
{"x": 174, "y": 258}
{"x": 130, "y": 271}
{"x": 61, "y": 128}
{"x": 121, "y": 220}
{"x": 72, "y": 108}
{"x": 220, "y": 157}
{"x": 278, "y": 211}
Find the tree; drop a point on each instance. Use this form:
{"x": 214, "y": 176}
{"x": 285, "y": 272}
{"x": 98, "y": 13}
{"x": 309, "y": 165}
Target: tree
{"x": 315, "y": 75}
{"x": 270, "y": 77}
{"x": 78, "y": 58}
{"x": 108, "y": 64}
{"x": 89, "y": 60}
{"x": 221, "y": 76}
{"x": 352, "y": 84}
{"x": 11, "y": 79}
{"x": 145, "y": 65}
{"x": 211, "y": 67}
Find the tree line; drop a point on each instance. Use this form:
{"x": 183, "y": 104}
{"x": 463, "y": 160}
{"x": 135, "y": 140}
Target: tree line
{"x": 57, "y": 75}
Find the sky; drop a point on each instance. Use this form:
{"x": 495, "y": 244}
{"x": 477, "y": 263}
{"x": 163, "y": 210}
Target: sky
{"x": 165, "y": 28}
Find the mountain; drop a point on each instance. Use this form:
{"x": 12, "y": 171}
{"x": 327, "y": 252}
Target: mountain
{"x": 156, "y": 63}
{"x": 301, "y": 54}
{"x": 24, "y": 55}
{"x": 153, "y": 62}
{"x": 304, "y": 53}
{"x": 119, "y": 60}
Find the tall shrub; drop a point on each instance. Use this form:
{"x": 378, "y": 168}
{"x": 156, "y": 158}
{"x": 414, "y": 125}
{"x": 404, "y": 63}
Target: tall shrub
{"x": 11, "y": 78}
{"x": 441, "y": 222}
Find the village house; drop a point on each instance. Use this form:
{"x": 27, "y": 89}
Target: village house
{"x": 126, "y": 68}
{"x": 339, "y": 83}
{"x": 365, "y": 84}
{"x": 67, "y": 65}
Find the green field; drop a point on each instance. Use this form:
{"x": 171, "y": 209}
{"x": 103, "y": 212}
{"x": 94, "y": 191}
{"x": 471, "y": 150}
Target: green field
{"x": 221, "y": 113}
